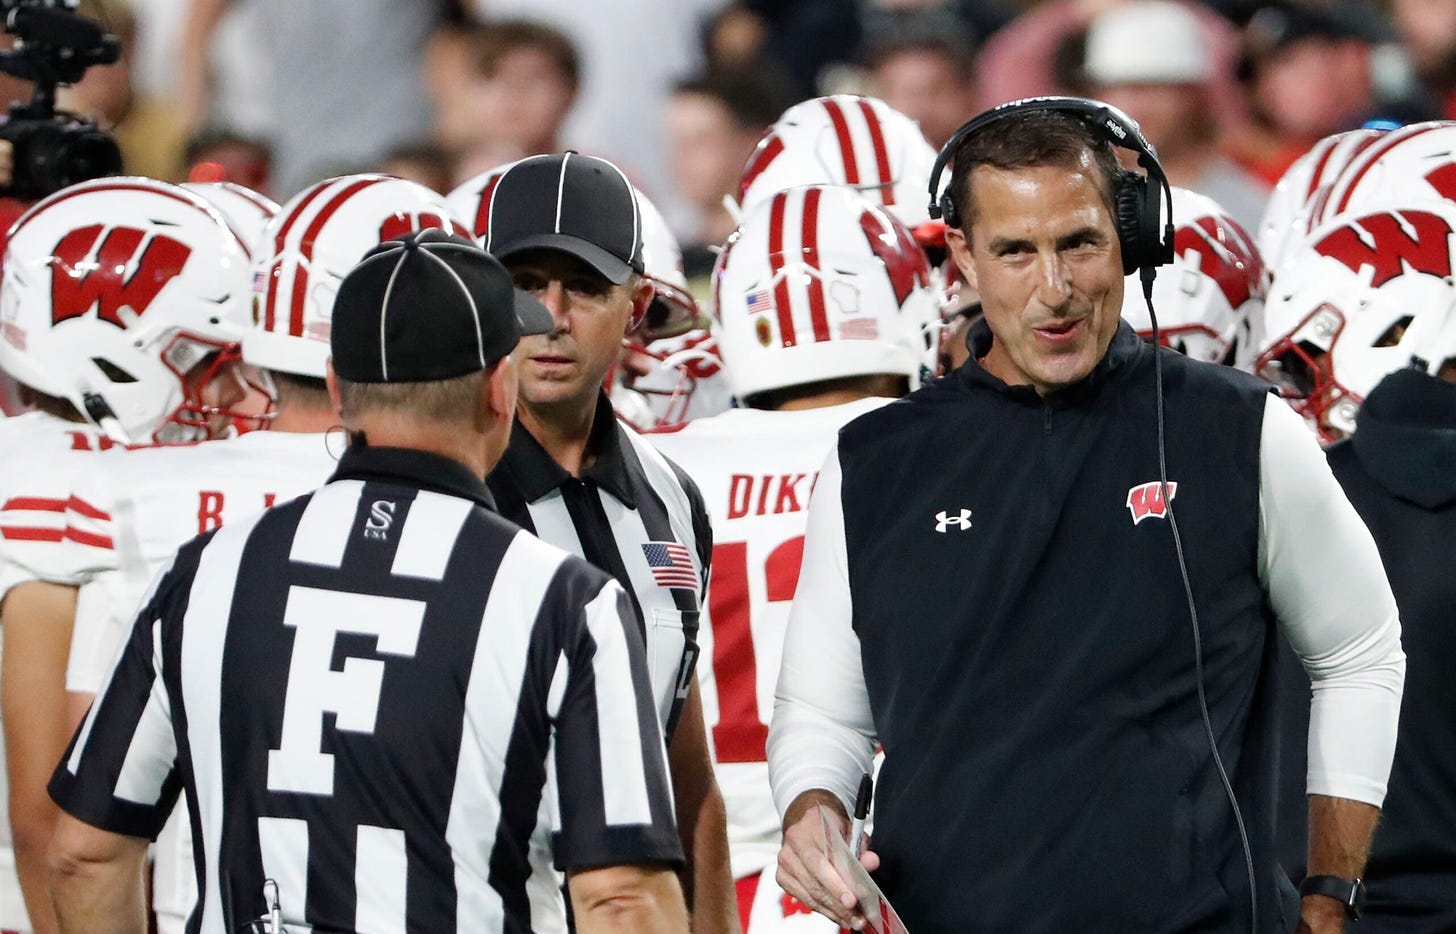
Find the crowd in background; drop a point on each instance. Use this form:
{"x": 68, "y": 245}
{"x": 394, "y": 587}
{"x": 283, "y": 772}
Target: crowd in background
{"x": 275, "y": 95}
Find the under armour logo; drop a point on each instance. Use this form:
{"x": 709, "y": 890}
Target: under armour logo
{"x": 943, "y": 519}
{"x": 381, "y": 517}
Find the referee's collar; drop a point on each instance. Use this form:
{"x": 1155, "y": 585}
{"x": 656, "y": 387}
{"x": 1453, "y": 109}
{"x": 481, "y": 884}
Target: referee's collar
{"x": 537, "y": 473}
{"x": 417, "y": 468}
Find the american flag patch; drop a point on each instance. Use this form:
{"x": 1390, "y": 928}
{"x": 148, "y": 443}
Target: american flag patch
{"x": 671, "y": 564}
{"x": 760, "y": 301}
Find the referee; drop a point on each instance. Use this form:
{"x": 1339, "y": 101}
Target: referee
{"x": 386, "y": 704}
{"x": 568, "y": 228}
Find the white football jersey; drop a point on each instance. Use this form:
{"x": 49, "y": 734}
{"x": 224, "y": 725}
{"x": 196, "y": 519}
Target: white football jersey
{"x": 40, "y": 456}
{"x": 123, "y": 526}
{"x": 756, "y": 470}
{"x": 126, "y": 522}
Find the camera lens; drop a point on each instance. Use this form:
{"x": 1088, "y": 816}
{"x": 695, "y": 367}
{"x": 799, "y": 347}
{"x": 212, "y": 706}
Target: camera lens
{"x": 85, "y": 153}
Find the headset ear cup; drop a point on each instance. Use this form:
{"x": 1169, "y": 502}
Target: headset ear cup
{"x": 948, "y": 211}
{"x": 1132, "y": 232}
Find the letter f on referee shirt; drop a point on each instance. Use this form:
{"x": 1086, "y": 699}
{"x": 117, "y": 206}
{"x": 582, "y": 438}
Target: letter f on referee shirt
{"x": 314, "y": 688}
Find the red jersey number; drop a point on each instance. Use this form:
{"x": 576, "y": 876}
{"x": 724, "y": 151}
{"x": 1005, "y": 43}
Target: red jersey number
{"x": 740, "y": 734}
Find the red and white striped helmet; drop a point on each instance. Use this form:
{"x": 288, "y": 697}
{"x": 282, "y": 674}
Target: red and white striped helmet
{"x": 1303, "y": 188}
{"x": 115, "y": 291}
{"x": 820, "y": 283}
{"x": 306, "y": 250}
{"x": 1357, "y": 299}
{"x": 843, "y": 139}
{"x": 245, "y": 210}
{"x": 1404, "y": 166}
{"x": 674, "y": 311}
{"x": 1210, "y": 299}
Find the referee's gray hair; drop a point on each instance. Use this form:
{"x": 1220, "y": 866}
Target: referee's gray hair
{"x": 449, "y": 401}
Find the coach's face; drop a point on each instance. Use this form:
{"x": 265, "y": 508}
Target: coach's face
{"x": 1043, "y": 252}
{"x": 591, "y": 316}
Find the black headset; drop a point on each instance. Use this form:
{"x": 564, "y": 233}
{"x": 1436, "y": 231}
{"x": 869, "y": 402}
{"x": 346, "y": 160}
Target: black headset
{"x": 1143, "y": 250}
{"x": 1146, "y": 239}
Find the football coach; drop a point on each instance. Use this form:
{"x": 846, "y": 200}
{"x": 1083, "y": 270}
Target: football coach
{"x": 1065, "y": 647}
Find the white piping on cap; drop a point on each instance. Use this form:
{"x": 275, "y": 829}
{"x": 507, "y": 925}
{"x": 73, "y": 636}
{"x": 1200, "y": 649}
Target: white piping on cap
{"x": 474, "y": 310}
{"x": 384, "y": 313}
{"x": 561, "y": 187}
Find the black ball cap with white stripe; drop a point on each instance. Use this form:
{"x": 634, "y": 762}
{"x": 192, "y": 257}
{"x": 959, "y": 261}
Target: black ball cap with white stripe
{"x": 565, "y": 201}
{"x": 428, "y": 306}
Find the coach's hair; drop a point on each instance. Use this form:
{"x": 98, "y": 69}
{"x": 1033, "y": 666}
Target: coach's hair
{"x": 55, "y": 406}
{"x": 454, "y": 401}
{"x": 1036, "y": 138}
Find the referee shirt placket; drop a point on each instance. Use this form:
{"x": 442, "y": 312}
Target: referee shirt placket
{"x": 615, "y": 515}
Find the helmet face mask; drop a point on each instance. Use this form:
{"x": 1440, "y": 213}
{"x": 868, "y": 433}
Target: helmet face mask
{"x": 115, "y": 291}
{"x": 1360, "y": 298}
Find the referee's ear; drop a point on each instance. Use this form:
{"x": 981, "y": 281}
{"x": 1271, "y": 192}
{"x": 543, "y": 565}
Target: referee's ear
{"x": 332, "y": 380}
{"x": 500, "y": 390}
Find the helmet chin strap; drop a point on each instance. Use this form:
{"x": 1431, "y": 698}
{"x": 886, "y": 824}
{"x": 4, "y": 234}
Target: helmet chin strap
{"x": 102, "y": 416}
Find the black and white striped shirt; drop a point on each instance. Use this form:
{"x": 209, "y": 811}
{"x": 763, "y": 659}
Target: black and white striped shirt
{"x": 393, "y": 703}
{"x": 634, "y": 514}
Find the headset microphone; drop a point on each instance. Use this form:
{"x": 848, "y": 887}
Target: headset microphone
{"x": 1143, "y": 250}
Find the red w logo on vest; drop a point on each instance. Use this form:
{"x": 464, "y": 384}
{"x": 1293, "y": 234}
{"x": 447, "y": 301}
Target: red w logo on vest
{"x": 1392, "y": 243}
{"x": 128, "y": 272}
{"x": 1146, "y": 501}
{"x": 401, "y": 225}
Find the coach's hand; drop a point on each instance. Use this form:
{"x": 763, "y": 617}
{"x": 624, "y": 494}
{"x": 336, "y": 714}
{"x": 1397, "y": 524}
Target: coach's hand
{"x": 805, "y": 870}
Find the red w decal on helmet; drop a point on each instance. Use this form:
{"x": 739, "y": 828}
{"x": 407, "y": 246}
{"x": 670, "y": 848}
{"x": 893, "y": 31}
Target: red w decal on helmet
{"x": 400, "y": 225}
{"x": 1226, "y": 255}
{"x": 1391, "y": 243}
{"x": 896, "y": 247}
{"x": 77, "y": 285}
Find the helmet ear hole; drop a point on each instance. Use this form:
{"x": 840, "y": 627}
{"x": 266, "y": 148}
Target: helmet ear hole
{"x": 1393, "y": 334}
{"x": 113, "y": 372}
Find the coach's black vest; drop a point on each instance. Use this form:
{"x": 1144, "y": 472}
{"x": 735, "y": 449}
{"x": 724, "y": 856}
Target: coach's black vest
{"x": 1029, "y": 656}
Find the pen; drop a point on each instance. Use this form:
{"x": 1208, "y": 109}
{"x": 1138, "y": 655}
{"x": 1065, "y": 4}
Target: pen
{"x": 861, "y": 811}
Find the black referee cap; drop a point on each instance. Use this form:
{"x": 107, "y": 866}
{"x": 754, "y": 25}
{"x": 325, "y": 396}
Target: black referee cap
{"x": 428, "y": 306}
{"x": 577, "y": 204}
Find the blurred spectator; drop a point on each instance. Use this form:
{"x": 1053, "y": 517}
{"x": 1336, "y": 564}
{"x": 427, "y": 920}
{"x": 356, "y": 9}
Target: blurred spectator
{"x": 502, "y": 90}
{"x": 714, "y": 121}
{"x": 632, "y": 52}
{"x": 222, "y": 155}
{"x": 149, "y": 132}
{"x": 1306, "y": 71}
{"x": 1021, "y": 59}
{"x": 921, "y": 63}
{"x": 425, "y": 163}
{"x": 345, "y": 76}
{"x": 1427, "y": 29}
{"x": 800, "y": 37}
{"x": 1150, "y": 58}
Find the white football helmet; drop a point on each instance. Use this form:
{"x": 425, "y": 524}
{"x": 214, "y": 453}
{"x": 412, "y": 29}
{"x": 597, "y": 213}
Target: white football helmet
{"x": 1357, "y": 299}
{"x": 115, "y": 291}
{"x": 470, "y": 201}
{"x": 844, "y": 139}
{"x": 306, "y": 250}
{"x": 1210, "y": 299}
{"x": 1410, "y": 164}
{"x": 1304, "y": 186}
{"x": 245, "y": 210}
{"x": 820, "y": 283}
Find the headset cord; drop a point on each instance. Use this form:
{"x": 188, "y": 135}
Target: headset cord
{"x": 1147, "y": 283}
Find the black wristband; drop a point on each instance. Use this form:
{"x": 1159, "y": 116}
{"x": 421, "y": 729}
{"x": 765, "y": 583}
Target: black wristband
{"x": 1348, "y": 892}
